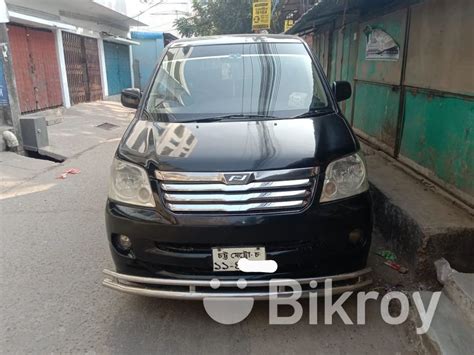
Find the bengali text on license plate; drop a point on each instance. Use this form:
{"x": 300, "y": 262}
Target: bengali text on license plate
{"x": 226, "y": 259}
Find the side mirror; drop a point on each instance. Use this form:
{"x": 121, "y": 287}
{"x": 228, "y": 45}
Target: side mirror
{"x": 130, "y": 97}
{"x": 342, "y": 90}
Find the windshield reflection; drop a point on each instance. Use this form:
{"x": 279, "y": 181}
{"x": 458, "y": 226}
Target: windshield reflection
{"x": 269, "y": 79}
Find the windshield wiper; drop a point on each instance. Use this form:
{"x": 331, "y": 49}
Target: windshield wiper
{"x": 314, "y": 112}
{"x": 230, "y": 117}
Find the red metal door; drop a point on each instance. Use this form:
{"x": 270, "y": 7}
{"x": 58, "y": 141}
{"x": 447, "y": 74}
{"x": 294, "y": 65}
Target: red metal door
{"x": 82, "y": 68}
{"x": 45, "y": 66}
{"x": 36, "y": 68}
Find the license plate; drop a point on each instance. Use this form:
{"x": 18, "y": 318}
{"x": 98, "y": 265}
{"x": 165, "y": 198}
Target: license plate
{"x": 226, "y": 259}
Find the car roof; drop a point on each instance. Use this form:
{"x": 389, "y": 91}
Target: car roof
{"x": 235, "y": 39}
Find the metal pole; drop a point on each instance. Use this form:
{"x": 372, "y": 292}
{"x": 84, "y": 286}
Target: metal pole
{"x": 401, "y": 104}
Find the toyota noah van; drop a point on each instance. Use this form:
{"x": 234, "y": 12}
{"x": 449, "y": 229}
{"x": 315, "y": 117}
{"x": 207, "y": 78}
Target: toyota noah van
{"x": 238, "y": 151}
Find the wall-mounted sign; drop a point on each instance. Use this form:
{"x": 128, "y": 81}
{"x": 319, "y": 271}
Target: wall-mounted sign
{"x": 380, "y": 45}
{"x": 261, "y": 14}
{"x": 3, "y": 87}
{"x": 288, "y": 24}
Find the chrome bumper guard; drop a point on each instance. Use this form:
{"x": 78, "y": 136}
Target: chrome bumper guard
{"x": 256, "y": 289}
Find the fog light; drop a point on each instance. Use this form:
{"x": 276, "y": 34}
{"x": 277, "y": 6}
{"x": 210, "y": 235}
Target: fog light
{"x": 355, "y": 236}
{"x": 124, "y": 242}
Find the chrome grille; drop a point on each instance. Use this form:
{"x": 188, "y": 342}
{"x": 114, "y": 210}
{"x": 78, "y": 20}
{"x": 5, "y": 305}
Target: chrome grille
{"x": 237, "y": 192}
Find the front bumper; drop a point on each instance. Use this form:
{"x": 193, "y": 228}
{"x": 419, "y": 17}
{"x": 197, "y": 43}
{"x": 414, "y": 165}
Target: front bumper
{"x": 256, "y": 289}
{"x": 311, "y": 243}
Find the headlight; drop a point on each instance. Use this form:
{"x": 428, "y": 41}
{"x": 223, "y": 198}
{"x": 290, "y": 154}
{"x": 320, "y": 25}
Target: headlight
{"x": 129, "y": 183}
{"x": 345, "y": 177}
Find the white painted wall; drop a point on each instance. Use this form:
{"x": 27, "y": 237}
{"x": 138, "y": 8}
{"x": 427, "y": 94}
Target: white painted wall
{"x": 62, "y": 68}
{"x": 3, "y": 12}
{"x": 103, "y": 71}
{"x": 116, "y": 5}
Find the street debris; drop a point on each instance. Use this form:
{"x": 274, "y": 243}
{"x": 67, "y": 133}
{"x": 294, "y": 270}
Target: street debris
{"x": 386, "y": 254}
{"x": 390, "y": 258}
{"x": 72, "y": 171}
{"x": 395, "y": 266}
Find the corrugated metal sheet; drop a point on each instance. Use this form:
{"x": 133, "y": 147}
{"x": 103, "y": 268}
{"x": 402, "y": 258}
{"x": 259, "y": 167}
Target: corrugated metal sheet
{"x": 147, "y": 35}
{"x": 46, "y": 70}
{"x": 22, "y": 67}
{"x": 36, "y": 68}
{"x": 439, "y": 135}
{"x": 117, "y": 63}
{"x": 82, "y": 68}
{"x": 327, "y": 10}
{"x": 376, "y": 111}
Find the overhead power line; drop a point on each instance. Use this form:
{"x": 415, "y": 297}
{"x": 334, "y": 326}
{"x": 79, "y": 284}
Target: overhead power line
{"x": 147, "y": 9}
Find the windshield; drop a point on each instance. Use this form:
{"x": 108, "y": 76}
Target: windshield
{"x": 264, "y": 79}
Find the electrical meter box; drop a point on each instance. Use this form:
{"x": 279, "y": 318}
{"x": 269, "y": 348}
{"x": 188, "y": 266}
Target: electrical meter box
{"x": 34, "y": 132}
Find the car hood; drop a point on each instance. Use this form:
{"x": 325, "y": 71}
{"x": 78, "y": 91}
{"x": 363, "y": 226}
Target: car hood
{"x": 238, "y": 145}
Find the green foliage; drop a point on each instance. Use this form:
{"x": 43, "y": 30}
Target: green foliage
{"x": 217, "y": 17}
{"x": 278, "y": 19}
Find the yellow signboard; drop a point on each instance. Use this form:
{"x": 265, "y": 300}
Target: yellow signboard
{"x": 261, "y": 14}
{"x": 288, "y": 24}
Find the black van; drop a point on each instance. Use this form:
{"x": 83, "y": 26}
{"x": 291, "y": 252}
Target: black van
{"x": 238, "y": 150}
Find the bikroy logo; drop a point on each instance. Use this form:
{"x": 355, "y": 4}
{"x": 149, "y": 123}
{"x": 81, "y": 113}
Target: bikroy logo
{"x": 232, "y": 310}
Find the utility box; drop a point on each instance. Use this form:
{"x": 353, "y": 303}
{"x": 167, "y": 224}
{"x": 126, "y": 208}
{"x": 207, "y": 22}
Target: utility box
{"x": 34, "y": 132}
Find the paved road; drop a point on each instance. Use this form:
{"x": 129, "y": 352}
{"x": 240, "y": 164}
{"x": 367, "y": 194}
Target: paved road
{"x": 52, "y": 253}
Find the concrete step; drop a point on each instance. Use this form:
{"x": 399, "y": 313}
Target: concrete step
{"x": 53, "y": 116}
{"x": 449, "y": 332}
{"x": 459, "y": 287}
{"x": 460, "y": 290}
{"x": 419, "y": 223}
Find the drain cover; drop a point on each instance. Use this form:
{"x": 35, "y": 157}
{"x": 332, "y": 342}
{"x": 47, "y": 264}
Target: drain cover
{"x": 107, "y": 126}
